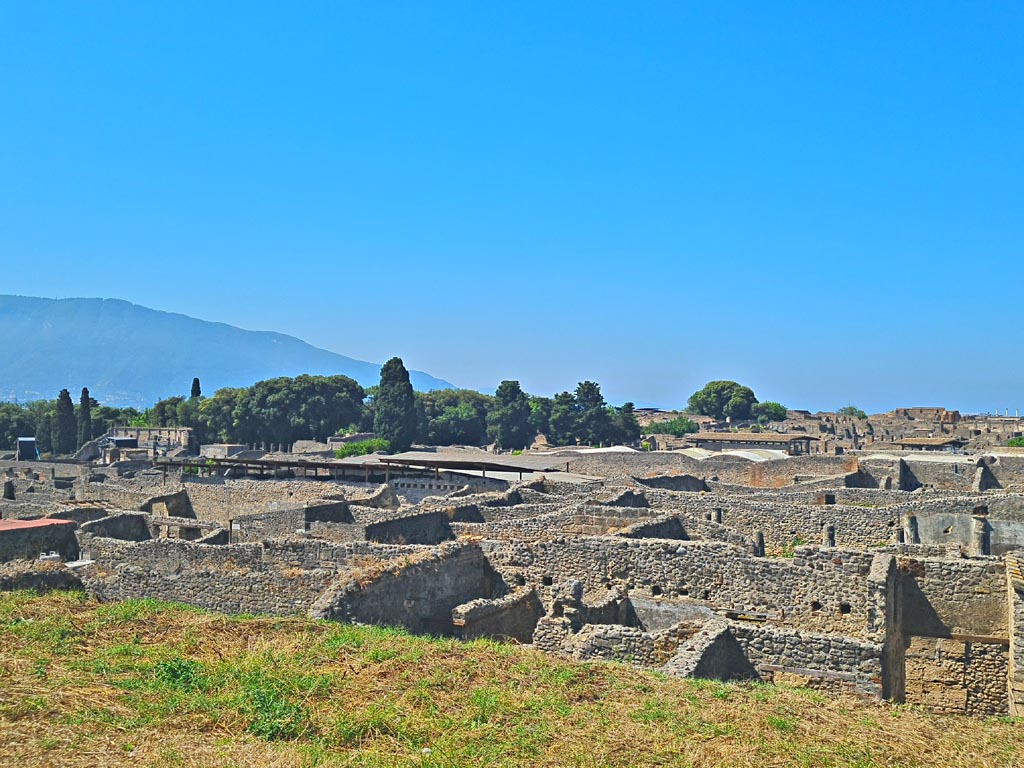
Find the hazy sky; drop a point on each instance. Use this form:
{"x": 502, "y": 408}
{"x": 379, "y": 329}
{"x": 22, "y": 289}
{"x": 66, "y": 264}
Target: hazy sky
{"x": 821, "y": 200}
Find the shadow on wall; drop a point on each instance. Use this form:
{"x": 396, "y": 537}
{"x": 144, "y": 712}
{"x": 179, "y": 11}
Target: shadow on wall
{"x": 417, "y": 592}
{"x": 127, "y": 526}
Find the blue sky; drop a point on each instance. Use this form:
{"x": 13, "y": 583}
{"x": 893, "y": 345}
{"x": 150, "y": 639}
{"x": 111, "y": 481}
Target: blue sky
{"x": 822, "y": 201}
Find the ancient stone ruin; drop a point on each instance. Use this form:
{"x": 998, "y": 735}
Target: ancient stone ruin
{"x": 889, "y": 579}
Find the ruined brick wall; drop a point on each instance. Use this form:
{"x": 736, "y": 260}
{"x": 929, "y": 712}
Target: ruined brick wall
{"x": 825, "y": 591}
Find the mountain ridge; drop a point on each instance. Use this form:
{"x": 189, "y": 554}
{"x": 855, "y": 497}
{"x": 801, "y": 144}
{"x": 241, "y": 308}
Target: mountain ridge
{"x": 132, "y": 355}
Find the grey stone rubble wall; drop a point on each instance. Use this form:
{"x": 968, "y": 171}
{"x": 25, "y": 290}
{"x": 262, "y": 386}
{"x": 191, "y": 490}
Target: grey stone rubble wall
{"x": 37, "y": 576}
{"x": 418, "y": 591}
{"x": 947, "y": 519}
{"x": 511, "y": 617}
{"x": 30, "y": 509}
{"x": 275, "y": 577}
{"x": 533, "y": 527}
{"x": 943, "y": 597}
{"x": 30, "y": 543}
{"x": 957, "y": 676}
{"x": 220, "y": 499}
{"x": 425, "y": 528}
{"x": 782, "y": 525}
{"x": 691, "y": 656}
{"x": 1015, "y": 664}
{"x": 670, "y": 526}
{"x": 826, "y": 660}
{"x": 662, "y": 527}
{"x": 819, "y": 590}
{"x": 127, "y": 526}
{"x": 611, "y": 642}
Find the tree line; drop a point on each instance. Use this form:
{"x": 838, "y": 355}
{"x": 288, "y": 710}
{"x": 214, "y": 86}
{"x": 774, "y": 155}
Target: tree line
{"x": 286, "y": 409}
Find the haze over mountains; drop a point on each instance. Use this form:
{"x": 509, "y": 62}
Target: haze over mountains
{"x": 130, "y": 355}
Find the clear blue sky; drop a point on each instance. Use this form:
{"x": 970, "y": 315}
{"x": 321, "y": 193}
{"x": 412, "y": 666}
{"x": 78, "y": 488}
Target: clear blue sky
{"x": 822, "y": 200}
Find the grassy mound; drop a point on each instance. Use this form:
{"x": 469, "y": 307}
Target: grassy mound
{"x": 144, "y": 683}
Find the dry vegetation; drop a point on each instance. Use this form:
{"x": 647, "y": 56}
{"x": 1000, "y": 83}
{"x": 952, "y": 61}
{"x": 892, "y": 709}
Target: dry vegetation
{"x": 144, "y": 683}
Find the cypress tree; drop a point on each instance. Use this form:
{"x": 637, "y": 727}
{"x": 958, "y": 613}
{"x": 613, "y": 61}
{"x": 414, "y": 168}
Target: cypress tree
{"x": 84, "y": 418}
{"x": 64, "y": 426}
{"x": 196, "y": 391}
{"x": 394, "y": 408}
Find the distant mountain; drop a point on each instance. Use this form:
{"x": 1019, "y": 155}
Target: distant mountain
{"x": 129, "y": 355}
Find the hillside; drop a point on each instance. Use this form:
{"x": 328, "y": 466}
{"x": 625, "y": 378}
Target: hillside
{"x": 131, "y": 355}
{"x": 143, "y": 683}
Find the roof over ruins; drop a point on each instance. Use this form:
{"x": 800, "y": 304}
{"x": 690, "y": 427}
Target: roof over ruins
{"x": 931, "y": 441}
{"x": 748, "y": 437}
{"x": 18, "y": 525}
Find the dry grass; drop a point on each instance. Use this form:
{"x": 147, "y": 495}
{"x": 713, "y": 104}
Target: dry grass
{"x": 143, "y": 683}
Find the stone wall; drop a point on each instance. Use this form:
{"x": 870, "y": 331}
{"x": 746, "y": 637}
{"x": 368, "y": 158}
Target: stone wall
{"x": 512, "y": 617}
{"x": 30, "y": 543}
{"x": 957, "y": 676}
{"x": 947, "y": 597}
{"x": 277, "y": 577}
{"x": 425, "y": 528}
{"x": 818, "y": 590}
{"x": 820, "y": 660}
{"x": 1015, "y": 612}
{"x": 126, "y": 526}
{"x": 418, "y": 592}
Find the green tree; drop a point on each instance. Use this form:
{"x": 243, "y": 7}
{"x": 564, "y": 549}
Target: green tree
{"x": 15, "y": 421}
{"x": 85, "y": 417}
{"x": 452, "y": 416}
{"x": 624, "y": 428}
{"x": 593, "y": 424}
{"x": 394, "y": 416}
{"x": 283, "y": 410}
{"x": 217, "y": 415}
{"x": 41, "y": 415}
{"x": 509, "y": 422}
{"x": 64, "y": 427}
{"x": 678, "y": 427}
{"x": 562, "y": 426}
{"x": 197, "y": 391}
{"x": 540, "y": 414}
{"x": 853, "y": 411}
{"x": 768, "y": 411}
{"x": 721, "y": 399}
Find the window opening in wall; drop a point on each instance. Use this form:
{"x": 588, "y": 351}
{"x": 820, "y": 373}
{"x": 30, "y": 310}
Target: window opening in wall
{"x": 656, "y": 590}
{"x": 547, "y": 581}
{"x": 815, "y": 605}
{"x": 844, "y": 608}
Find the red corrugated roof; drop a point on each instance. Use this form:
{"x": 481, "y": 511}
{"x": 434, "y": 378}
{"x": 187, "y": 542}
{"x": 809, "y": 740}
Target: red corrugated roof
{"x": 15, "y": 525}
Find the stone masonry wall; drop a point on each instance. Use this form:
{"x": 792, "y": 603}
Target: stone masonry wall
{"x": 818, "y": 590}
{"x": 279, "y": 577}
